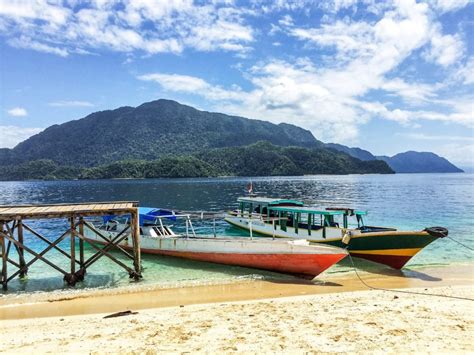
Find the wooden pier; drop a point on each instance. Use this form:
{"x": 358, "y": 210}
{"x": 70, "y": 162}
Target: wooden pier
{"x": 13, "y": 227}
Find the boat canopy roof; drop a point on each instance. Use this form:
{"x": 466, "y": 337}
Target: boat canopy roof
{"x": 268, "y": 201}
{"x": 314, "y": 210}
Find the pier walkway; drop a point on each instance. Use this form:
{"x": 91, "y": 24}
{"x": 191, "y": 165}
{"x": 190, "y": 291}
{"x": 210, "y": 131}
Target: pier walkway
{"x": 13, "y": 226}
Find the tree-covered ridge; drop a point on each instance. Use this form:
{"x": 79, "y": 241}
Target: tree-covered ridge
{"x": 149, "y": 131}
{"x": 408, "y": 162}
{"x": 260, "y": 159}
{"x": 420, "y": 162}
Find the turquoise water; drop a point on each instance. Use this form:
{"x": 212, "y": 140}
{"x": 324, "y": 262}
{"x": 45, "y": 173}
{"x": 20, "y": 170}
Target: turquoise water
{"x": 406, "y": 201}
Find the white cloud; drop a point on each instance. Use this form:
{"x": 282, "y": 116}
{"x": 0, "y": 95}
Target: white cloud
{"x": 439, "y": 138}
{"x": 12, "y": 135}
{"x": 412, "y": 92}
{"x": 330, "y": 98}
{"x": 461, "y": 154}
{"x": 17, "y": 112}
{"x": 25, "y": 10}
{"x": 445, "y": 50}
{"x": 193, "y": 85}
{"x": 71, "y": 104}
{"x": 286, "y": 20}
{"x": 148, "y": 26}
{"x": 28, "y": 43}
{"x": 330, "y": 94}
{"x": 448, "y": 5}
{"x": 465, "y": 73}
{"x": 174, "y": 82}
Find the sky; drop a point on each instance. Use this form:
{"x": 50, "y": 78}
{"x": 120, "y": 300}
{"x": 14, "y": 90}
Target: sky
{"x": 383, "y": 76}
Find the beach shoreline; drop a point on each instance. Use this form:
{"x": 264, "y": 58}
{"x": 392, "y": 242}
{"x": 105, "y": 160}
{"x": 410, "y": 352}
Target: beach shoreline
{"x": 358, "y": 321}
{"x": 82, "y": 302}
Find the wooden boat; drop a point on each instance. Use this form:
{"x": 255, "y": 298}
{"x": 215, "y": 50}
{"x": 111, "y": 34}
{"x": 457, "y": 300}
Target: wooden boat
{"x": 296, "y": 257}
{"x": 331, "y": 226}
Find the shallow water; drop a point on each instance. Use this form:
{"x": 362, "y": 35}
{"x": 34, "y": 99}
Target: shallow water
{"x": 406, "y": 201}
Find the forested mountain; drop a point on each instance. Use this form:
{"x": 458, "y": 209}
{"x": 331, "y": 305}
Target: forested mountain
{"x": 354, "y": 151}
{"x": 259, "y": 159}
{"x": 408, "y": 162}
{"x": 149, "y": 131}
{"x": 419, "y": 162}
{"x": 166, "y": 139}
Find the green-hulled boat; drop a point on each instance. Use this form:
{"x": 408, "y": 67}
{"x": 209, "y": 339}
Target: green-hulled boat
{"x": 282, "y": 218}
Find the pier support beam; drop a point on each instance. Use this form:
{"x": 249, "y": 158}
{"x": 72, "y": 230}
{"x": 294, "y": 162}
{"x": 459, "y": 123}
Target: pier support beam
{"x": 136, "y": 245}
{"x": 21, "y": 253}
{"x": 4, "y": 256}
{"x": 75, "y": 214}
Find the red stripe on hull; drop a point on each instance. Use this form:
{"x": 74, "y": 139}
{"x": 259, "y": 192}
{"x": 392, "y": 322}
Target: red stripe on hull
{"x": 297, "y": 264}
{"x": 395, "y": 261}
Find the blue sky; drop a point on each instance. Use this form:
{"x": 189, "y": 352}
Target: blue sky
{"x": 384, "y": 76}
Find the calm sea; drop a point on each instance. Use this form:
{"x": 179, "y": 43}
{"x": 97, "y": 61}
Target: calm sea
{"x": 406, "y": 201}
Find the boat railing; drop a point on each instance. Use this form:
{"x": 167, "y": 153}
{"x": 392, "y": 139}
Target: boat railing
{"x": 188, "y": 222}
{"x": 271, "y": 219}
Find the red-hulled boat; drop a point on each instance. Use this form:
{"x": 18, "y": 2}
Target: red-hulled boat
{"x": 295, "y": 257}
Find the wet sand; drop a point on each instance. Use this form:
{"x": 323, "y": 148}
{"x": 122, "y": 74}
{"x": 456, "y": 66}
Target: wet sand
{"x": 108, "y": 301}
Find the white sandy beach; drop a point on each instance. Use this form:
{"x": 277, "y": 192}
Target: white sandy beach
{"x": 375, "y": 321}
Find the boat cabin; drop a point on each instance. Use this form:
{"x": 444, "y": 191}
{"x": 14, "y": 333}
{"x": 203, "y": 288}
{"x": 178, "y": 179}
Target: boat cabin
{"x": 258, "y": 206}
{"x": 312, "y": 219}
{"x": 290, "y": 218}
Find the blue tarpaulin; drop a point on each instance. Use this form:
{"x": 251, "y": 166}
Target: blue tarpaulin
{"x": 147, "y": 214}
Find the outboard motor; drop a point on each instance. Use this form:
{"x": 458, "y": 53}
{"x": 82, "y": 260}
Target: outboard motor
{"x": 438, "y": 232}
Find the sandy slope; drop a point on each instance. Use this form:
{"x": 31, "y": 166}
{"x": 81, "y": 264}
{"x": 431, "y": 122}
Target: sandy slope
{"x": 352, "y": 321}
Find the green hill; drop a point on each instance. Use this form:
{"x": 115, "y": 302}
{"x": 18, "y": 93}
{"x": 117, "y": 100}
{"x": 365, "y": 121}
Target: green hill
{"x": 149, "y": 131}
{"x": 420, "y": 162}
{"x": 166, "y": 139}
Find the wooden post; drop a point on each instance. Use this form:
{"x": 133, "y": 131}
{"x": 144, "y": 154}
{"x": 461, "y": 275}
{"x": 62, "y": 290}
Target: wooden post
{"x": 71, "y": 277}
{"x": 4, "y": 257}
{"x": 135, "y": 231}
{"x": 21, "y": 253}
{"x": 73, "y": 246}
{"x": 81, "y": 243}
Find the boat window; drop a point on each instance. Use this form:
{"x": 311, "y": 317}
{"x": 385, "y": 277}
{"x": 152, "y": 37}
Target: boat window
{"x": 329, "y": 221}
{"x": 282, "y": 216}
{"x": 290, "y": 220}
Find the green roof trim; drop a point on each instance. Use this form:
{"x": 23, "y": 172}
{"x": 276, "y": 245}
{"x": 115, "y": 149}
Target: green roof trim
{"x": 311, "y": 210}
{"x": 268, "y": 201}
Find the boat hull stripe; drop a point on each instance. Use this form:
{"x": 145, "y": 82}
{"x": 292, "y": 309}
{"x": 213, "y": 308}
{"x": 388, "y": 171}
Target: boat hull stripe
{"x": 394, "y": 261}
{"x": 399, "y": 252}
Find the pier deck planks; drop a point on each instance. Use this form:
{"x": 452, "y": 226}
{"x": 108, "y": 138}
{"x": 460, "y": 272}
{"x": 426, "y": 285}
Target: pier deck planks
{"x": 8, "y": 213}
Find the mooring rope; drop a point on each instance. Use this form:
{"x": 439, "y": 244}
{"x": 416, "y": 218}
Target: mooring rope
{"x": 457, "y": 241}
{"x": 402, "y": 291}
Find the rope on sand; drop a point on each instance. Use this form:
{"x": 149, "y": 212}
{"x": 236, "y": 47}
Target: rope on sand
{"x": 402, "y": 291}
